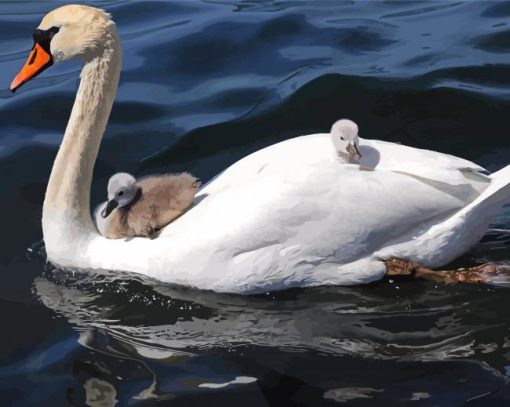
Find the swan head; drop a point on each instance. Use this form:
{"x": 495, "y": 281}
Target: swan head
{"x": 344, "y": 135}
{"x": 122, "y": 190}
{"x": 68, "y": 32}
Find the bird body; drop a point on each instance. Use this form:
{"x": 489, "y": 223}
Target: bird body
{"x": 156, "y": 202}
{"x": 290, "y": 215}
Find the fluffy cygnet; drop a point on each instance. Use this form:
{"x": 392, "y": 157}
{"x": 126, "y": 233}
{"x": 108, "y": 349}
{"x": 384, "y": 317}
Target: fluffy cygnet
{"x": 139, "y": 208}
{"x": 344, "y": 134}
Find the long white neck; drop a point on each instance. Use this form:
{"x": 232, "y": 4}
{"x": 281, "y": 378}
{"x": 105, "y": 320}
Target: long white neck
{"x": 66, "y": 210}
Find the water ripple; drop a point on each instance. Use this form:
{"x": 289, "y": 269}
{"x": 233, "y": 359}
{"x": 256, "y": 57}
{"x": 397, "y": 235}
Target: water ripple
{"x": 232, "y": 77}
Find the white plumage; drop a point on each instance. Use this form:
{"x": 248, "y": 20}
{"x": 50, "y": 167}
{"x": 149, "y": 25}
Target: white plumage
{"x": 291, "y": 215}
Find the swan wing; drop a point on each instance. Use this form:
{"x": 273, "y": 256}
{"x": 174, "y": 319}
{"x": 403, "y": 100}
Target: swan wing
{"x": 294, "y": 215}
{"x": 425, "y": 164}
{"x": 309, "y": 150}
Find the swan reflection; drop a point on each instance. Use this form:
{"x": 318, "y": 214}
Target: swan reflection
{"x": 167, "y": 341}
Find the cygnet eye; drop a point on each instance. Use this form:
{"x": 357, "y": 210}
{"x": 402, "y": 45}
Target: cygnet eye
{"x": 120, "y": 193}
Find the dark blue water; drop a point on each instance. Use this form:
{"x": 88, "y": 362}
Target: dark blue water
{"x": 205, "y": 83}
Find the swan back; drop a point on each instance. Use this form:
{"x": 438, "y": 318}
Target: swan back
{"x": 443, "y": 170}
{"x": 267, "y": 223}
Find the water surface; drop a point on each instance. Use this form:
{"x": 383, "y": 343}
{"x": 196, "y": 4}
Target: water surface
{"x": 203, "y": 84}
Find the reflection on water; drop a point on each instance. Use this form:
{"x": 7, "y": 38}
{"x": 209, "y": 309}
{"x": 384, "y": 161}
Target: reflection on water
{"x": 337, "y": 320}
{"x": 203, "y": 84}
{"x": 99, "y": 393}
{"x": 171, "y": 341}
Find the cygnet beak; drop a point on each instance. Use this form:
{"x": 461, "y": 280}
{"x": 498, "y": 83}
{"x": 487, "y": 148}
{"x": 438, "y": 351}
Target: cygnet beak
{"x": 353, "y": 151}
{"x": 110, "y": 206}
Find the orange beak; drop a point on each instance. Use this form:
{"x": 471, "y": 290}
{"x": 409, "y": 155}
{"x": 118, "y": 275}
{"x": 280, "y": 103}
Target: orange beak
{"x": 38, "y": 60}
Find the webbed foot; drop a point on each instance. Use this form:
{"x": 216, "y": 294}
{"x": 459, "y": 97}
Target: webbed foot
{"x": 396, "y": 266}
{"x": 485, "y": 273}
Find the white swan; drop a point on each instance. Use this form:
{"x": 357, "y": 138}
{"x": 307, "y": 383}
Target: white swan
{"x": 288, "y": 215}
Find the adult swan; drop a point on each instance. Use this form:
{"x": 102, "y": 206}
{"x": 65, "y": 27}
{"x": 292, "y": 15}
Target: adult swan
{"x": 289, "y": 215}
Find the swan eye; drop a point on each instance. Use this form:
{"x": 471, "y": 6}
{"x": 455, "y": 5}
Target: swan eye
{"x": 59, "y": 55}
{"x": 120, "y": 193}
{"x": 341, "y": 138}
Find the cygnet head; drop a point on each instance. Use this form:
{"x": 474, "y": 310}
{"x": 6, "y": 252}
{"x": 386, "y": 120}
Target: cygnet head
{"x": 122, "y": 190}
{"x": 68, "y": 32}
{"x": 344, "y": 135}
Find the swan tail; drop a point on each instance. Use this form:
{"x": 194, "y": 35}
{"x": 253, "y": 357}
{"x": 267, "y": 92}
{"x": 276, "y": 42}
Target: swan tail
{"x": 492, "y": 199}
{"x": 467, "y": 226}
{"x": 504, "y": 173}
{"x": 446, "y": 240}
